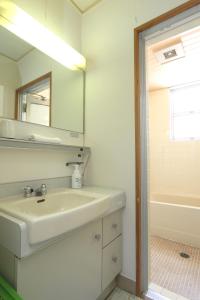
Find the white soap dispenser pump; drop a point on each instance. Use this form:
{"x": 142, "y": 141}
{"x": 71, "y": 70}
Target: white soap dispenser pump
{"x": 76, "y": 177}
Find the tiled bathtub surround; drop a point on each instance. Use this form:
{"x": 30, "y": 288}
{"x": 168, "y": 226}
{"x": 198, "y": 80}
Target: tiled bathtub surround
{"x": 172, "y": 272}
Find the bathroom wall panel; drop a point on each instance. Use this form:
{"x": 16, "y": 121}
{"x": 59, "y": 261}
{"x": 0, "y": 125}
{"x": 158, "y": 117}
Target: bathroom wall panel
{"x": 174, "y": 165}
{"x": 27, "y": 164}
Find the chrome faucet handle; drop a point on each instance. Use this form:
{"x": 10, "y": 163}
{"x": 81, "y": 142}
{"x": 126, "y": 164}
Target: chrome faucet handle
{"x": 43, "y": 189}
{"x": 28, "y": 190}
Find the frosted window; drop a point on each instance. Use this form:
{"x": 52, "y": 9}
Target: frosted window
{"x": 39, "y": 114}
{"x": 185, "y": 112}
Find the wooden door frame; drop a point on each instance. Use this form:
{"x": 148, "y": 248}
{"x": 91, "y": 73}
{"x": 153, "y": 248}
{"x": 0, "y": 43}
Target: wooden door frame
{"x": 164, "y": 17}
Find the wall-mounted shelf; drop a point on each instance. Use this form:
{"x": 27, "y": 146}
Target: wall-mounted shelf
{"x": 23, "y": 144}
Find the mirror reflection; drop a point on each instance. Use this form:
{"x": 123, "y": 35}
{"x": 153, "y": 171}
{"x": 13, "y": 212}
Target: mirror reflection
{"x": 34, "y": 88}
{"x": 33, "y": 101}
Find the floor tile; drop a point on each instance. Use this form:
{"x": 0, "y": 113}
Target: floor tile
{"x": 173, "y": 272}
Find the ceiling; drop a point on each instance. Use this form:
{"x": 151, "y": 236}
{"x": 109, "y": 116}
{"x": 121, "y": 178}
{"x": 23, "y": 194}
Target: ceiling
{"x": 178, "y": 71}
{"x": 84, "y": 5}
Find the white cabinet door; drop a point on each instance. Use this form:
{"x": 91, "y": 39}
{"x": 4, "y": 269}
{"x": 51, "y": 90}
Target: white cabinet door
{"x": 112, "y": 227}
{"x": 70, "y": 269}
{"x": 112, "y": 261}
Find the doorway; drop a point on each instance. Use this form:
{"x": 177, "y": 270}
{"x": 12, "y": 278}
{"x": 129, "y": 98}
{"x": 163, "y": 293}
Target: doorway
{"x": 174, "y": 20}
{"x": 173, "y": 125}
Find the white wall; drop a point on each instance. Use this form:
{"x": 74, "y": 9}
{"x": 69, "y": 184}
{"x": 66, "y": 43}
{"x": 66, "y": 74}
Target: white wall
{"x": 174, "y": 165}
{"x": 15, "y": 165}
{"x": 107, "y": 35}
{"x": 19, "y": 165}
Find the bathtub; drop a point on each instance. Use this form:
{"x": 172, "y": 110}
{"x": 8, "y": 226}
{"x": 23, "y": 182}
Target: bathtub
{"x": 176, "y": 218}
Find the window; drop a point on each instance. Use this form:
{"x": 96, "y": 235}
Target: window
{"x": 185, "y": 112}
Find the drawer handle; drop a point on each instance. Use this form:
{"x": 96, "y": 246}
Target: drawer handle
{"x": 97, "y": 237}
{"x": 114, "y": 259}
{"x": 114, "y": 226}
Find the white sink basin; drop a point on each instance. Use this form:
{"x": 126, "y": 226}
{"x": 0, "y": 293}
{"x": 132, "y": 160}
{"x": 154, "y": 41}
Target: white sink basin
{"x": 58, "y": 212}
{"x": 39, "y": 207}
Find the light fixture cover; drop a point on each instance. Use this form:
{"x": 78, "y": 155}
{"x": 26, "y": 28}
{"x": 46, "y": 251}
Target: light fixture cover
{"x": 170, "y": 53}
{"x": 27, "y": 28}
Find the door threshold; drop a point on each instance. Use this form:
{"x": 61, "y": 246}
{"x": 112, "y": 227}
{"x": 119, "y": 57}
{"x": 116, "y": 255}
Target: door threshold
{"x": 152, "y": 295}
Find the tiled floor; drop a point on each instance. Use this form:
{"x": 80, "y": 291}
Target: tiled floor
{"x": 118, "y": 294}
{"x": 176, "y": 275}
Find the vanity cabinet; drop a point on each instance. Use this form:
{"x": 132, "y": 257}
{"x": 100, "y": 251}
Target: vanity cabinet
{"x": 111, "y": 261}
{"x": 112, "y": 227}
{"x": 112, "y": 247}
{"x": 78, "y": 266}
{"x": 69, "y": 269}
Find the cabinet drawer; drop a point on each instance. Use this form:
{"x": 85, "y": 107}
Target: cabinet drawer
{"x": 112, "y": 227}
{"x": 112, "y": 261}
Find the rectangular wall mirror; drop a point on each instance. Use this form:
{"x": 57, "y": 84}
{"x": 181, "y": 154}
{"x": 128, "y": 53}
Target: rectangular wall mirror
{"x": 35, "y": 88}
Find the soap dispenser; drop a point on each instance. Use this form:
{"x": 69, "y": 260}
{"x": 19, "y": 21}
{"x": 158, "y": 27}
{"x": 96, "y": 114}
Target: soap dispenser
{"x": 76, "y": 177}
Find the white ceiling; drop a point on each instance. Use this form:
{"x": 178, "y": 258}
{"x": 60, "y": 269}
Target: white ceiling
{"x": 179, "y": 71}
{"x": 85, "y": 5}
{"x": 11, "y": 46}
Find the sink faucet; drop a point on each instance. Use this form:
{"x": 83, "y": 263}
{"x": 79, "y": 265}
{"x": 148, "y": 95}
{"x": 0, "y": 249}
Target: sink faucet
{"x": 41, "y": 191}
{"x": 29, "y": 191}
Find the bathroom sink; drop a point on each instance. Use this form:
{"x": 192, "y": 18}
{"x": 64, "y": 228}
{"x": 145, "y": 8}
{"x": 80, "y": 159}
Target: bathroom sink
{"x": 56, "y": 213}
{"x": 47, "y": 205}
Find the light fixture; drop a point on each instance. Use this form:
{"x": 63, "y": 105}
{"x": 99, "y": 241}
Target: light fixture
{"x": 27, "y": 28}
{"x": 170, "y": 51}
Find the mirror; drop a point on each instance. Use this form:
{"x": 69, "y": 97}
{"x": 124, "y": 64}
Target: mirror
{"x": 33, "y": 101}
{"x": 35, "y": 88}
